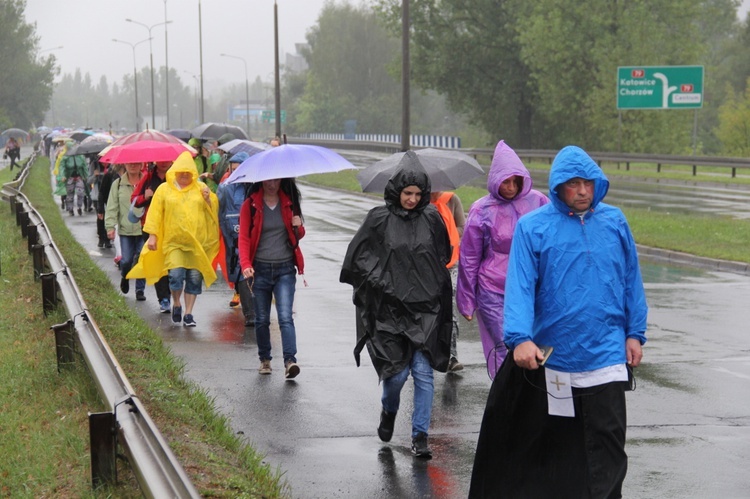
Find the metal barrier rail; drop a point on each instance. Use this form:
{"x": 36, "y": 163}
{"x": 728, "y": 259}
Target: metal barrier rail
{"x": 658, "y": 159}
{"x": 156, "y": 468}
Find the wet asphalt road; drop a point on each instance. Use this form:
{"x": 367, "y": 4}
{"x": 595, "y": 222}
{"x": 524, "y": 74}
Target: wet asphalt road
{"x": 688, "y": 420}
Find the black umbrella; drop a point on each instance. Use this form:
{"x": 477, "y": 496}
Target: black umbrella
{"x": 92, "y": 147}
{"x": 80, "y": 136}
{"x": 181, "y": 133}
{"x": 447, "y": 169}
{"x": 216, "y": 130}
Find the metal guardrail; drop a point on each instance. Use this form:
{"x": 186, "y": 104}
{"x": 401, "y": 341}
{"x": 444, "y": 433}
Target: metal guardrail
{"x": 732, "y": 163}
{"x": 127, "y": 423}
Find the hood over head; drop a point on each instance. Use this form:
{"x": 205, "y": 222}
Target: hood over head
{"x": 505, "y": 164}
{"x": 195, "y": 142}
{"x": 183, "y": 163}
{"x": 410, "y": 172}
{"x": 572, "y": 162}
{"x": 239, "y": 157}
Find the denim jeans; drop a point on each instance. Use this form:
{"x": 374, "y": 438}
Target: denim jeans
{"x": 275, "y": 280}
{"x": 424, "y": 388}
{"x": 130, "y": 247}
{"x": 190, "y": 279}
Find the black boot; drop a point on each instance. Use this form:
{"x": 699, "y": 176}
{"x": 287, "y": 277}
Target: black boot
{"x": 385, "y": 430}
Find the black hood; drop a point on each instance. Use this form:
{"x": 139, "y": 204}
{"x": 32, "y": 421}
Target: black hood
{"x": 410, "y": 172}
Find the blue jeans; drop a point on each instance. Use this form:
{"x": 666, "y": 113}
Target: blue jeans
{"x": 424, "y": 388}
{"x": 275, "y": 280}
{"x": 130, "y": 247}
{"x": 191, "y": 279}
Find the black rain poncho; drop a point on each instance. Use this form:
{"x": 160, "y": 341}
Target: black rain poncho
{"x": 402, "y": 289}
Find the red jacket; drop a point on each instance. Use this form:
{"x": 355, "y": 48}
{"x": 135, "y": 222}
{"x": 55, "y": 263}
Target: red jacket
{"x": 251, "y": 223}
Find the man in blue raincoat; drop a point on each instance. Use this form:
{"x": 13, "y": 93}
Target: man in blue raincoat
{"x": 574, "y": 284}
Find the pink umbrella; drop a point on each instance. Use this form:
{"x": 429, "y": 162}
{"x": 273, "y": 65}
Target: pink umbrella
{"x": 144, "y": 151}
{"x": 152, "y": 135}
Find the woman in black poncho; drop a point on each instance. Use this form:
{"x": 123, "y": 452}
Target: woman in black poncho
{"x": 402, "y": 290}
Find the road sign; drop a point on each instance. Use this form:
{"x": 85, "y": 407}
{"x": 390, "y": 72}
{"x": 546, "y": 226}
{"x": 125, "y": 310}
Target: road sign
{"x": 654, "y": 87}
{"x": 269, "y": 116}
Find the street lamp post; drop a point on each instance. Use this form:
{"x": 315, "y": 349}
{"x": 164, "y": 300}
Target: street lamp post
{"x": 166, "y": 61}
{"x": 195, "y": 95}
{"x": 53, "y": 48}
{"x": 135, "y": 77}
{"x": 247, "y": 93}
{"x": 277, "y": 79}
{"x": 151, "y": 50}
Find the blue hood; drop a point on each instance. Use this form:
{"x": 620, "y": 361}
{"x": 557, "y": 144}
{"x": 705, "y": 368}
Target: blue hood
{"x": 572, "y": 162}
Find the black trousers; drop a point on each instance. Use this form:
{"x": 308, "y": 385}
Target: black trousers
{"x": 523, "y": 452}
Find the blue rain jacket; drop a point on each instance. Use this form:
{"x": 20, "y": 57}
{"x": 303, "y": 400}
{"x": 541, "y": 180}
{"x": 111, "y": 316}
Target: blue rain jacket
{"x": 573, "y": 283}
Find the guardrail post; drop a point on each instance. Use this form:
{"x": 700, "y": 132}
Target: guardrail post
{"x": 37, "y": 253}
{"x": 12, "y": 200}
{"x": 33, "y": 233}
{"x": 695, "y": 170}
{"x": 24, "y": 218}
{"x": 65, "y": 345}
{"x": 18, "y": 211}
{"x": 49, "y": 292}
{"x": 658, "y": 167}
{"x": 103, "y": 439}
{"x": 734, "y": 172}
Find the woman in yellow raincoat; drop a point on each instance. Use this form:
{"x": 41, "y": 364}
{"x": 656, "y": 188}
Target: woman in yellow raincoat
{"x": 184, "y": 226}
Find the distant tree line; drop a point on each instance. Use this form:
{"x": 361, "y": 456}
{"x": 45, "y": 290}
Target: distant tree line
{"x": 538, "y": 74}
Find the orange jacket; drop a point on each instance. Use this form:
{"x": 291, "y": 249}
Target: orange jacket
{"x": 450, "y": 223}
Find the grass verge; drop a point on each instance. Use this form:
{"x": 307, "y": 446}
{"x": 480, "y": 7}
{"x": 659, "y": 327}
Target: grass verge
{"x": 44, "y": 437}
{"x": 701, "y": 235}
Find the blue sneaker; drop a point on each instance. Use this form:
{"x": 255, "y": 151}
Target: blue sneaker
{"x": 176, "y": 315}
{"x": 189, "y": 321}
{"x": 164, "y": 306}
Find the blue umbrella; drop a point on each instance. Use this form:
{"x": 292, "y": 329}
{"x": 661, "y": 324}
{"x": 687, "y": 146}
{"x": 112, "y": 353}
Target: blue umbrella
{"x": 289, "y": 161}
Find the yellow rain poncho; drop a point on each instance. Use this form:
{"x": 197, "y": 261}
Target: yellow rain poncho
{"x": 185, "y": 225}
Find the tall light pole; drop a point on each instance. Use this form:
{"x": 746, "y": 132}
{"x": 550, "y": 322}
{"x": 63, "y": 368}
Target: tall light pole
{"x": 151, "y": 50}
{"x": 247, "y": 93}
{"x": 166, "y": 60}
{"x": 195, "y": 95}
{"x": 200, "y": 49}
{"x": 277, "y": 79}
{"x": 405, "y": 87}
{"x": 53, "y": 48}
{"x": 135, "y": 77}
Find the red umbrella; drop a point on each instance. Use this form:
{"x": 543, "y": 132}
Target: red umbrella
{"x": 144, "y": 151}
{"x": 152, "y": 135}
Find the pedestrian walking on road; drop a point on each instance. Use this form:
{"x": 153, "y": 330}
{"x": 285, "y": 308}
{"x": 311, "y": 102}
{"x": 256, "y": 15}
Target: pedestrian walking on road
{"x": 574, "y": 284}
{"x": 183, "y": 240}
{"x": 451, "y": 211}
{"x": 396, "y": 263}
{"x": 142, "y": 196}
{"x": 231, "y": 197}
{"x": 74, "y": 172}
{"x": 13, "y": 152}
{"x": 130, "y": 234}
{"x": 271, "y": 227}
{"x": 485, "y": 247}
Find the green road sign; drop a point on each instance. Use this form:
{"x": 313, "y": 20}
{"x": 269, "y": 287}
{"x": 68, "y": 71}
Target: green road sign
{"x": 654, "y": 87}
{"x": 269, "y": 116}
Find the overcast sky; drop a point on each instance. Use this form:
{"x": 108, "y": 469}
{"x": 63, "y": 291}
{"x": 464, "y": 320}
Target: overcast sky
{"x": 241, "y": 28}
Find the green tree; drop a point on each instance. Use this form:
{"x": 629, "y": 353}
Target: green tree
{"x": 348, "y": 76}
{"x": 734, "y": 128}
{"x": 26, "y": 78}
{"x": 469, "y": 51}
